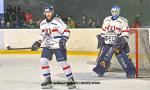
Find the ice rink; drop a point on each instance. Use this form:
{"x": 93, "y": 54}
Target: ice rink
{"x": 22, "y": 72}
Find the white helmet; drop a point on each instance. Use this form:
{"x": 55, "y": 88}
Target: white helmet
{"x": 115, "y": 11}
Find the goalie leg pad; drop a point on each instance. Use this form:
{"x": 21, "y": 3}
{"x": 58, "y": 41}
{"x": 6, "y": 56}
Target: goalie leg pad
{"x": 126, "y": 48}
{"x": 102, "y": 67}
{"x": 103, "y": 61}
{"x": 126, "y": 64}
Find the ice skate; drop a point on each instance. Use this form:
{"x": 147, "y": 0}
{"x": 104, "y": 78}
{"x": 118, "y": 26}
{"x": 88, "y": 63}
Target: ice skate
{"x": 47, "y": 84}
{"x": 71, "y": 83}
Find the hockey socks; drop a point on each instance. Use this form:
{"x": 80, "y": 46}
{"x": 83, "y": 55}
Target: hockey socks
{"x": 66, "y": 68}
{"x": 45, "y": 67}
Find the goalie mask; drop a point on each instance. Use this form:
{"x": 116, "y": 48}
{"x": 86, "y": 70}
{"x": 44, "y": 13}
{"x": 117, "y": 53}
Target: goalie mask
{"x": 115, "y": 11}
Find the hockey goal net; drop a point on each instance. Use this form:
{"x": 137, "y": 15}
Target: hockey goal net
{"x": 139, "y": 52}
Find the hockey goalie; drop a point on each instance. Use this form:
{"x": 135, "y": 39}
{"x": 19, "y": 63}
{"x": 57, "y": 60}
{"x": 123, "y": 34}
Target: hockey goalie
{"x": 114, "y": 40}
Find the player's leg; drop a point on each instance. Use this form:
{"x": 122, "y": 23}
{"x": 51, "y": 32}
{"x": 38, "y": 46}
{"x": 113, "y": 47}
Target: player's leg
{"x": 103, "y": 62}
{"x": 61, "y": 56}
{"x": 125, "y": 61}
{"x": 45, "y": 57}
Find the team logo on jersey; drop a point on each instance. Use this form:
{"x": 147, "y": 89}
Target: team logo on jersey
{"x": 112, "y": 28}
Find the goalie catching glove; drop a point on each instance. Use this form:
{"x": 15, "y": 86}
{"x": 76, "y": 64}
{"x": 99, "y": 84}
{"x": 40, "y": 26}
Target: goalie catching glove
{"x": 36, "y": 45}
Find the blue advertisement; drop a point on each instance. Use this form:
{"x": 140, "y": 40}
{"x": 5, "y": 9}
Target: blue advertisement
{"x": 1, "y": 8}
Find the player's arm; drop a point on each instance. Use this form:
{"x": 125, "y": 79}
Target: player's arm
{"x": 123, "y": 38}
{"x": 40, "y": 39}
{"x": 101, "y": 36}
{"x": 125, "y": 30}
{"x": 104, "y": 26}
{"x": 63, "y": 40}
{"x": 62, "y": 28}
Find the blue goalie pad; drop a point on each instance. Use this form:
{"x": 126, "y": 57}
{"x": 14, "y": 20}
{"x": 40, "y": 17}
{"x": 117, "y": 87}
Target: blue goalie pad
{"x": 103, "y": 62}
{"x": 126, "y": 63}
{"x": 102, "y": 68}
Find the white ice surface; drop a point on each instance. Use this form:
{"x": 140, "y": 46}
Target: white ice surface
{"x": 22, "y": 72}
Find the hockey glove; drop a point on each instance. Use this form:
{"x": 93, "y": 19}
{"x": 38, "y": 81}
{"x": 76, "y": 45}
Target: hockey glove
{"x": 35, "y": 46}
{"x": 62, "y": 43}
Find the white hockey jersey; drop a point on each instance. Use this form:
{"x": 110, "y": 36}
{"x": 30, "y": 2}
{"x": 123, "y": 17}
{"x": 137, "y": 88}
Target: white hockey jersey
{"x": 52, "y": 32}
{"x": 113, "y": 28}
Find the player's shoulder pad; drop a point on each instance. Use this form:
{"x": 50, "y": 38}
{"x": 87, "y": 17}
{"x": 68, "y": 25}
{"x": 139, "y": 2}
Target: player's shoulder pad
{"x": 122, "y": 19}
{"x": 108, "y": 18}
{"x": 43, "y": 22}
{"x": 57, "y": 20}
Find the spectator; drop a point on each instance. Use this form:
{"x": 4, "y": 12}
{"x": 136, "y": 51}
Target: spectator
{"x": 13, "y": 19}
{"x": 7, "y": 16}
{"x": 136, "y": 23}
{"x": 71, "y": 23}
{"x": 83, "y": 23}
{"x": 2, "y": 23}
{"x": 31, "y": 24}
{"x": 90, "y": 20}
{"x": 93, "y": 24}
{"x": 64, "y": 17}
{"x": 9, "y": 9}
{"x": 21, "y": 18}
{"x": 17, "y": 9}
{"x": 16, "y": 24}
{"x": 28, "y": 16}
{"x": 8, "y": 25}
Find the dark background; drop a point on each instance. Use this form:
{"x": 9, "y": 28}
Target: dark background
{"x": 97, "y": 9}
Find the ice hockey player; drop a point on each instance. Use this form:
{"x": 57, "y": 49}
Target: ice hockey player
{"x": 114, "y": 40}
{"x": 54, "y": 34}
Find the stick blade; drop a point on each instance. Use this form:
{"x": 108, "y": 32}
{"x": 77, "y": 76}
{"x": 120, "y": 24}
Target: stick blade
{"x": 8, "y": 48}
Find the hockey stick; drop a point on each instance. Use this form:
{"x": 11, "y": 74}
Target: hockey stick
{"x": 10, "y": 48}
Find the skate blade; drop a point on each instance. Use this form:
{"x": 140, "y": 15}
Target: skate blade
{"x": 72, "y": 87}
{"x": 47, "y": 87}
